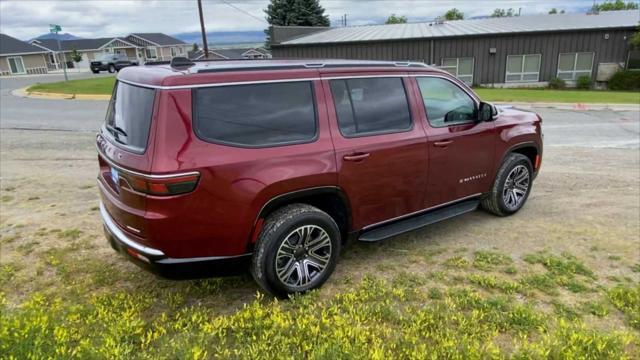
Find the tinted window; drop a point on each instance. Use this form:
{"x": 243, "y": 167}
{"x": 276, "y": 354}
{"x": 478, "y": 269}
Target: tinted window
{"x": 446, "y": 104}
{"x": 256, "y": 115}
{"x": 129, "y": 115}
{"x": 370, "y": 106}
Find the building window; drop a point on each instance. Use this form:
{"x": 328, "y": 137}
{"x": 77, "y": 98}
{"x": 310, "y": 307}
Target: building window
{"x": 16, "y": 65}
{"x": 633, "y": 62}
{"x": 462, "y": 68}
{"x": 151, "y": 53}
{"x": 180, "y": 50}
{"x": 173, "y": 51}
{"x": 573, "y": 65}
{"x": 523, "y": 68}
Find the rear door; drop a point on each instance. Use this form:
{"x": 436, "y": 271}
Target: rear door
{"x": 380, "y": 151}
{"x": 461, "y": 149}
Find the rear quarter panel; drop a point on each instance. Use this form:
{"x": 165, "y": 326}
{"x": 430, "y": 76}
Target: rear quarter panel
{"x": 218, "y": 217}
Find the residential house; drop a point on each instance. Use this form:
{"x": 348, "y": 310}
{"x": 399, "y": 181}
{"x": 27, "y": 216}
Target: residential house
{"x": 232, "y": 54}
{"x": 18, "y": 57}
{"x": 158, "y": 46}
{"x": 139, "y": 47}
{"x": 89, "y": 49}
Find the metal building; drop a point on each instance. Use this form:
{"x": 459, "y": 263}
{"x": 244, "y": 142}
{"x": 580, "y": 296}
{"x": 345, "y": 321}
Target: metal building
{"x": 510, "y": 51}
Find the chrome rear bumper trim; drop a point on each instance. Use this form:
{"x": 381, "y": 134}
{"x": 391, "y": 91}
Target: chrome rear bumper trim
{"x": 115, "y": 231}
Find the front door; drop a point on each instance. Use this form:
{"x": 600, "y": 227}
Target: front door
{"x": 380, "y": 152}
{"x": 461, "y": 149}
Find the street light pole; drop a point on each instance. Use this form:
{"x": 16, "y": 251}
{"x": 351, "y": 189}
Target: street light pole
{"x": 204, "y": 33}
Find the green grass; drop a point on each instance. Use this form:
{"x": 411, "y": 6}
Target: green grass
{"x": 376, "y": 319}
{"x": 558, "y": 96}
{"x": 93, "y": 86}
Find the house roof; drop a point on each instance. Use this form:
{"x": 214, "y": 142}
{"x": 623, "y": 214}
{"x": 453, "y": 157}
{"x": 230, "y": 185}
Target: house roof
{"x": 159, "y": 38}
{"x": 504, "y": 25}
{"x": 78, "y": 44}
{"x": 11, "y": 46}
{"x": 229, "y": 53}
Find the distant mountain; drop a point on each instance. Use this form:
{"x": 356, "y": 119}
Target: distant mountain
{"x": 65, "y": 36}
{"x": 223, "y": 37}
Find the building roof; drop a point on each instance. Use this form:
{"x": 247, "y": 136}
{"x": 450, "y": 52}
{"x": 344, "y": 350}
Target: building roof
{"x": 229, "y": 53}
{"x": 159, "y": 39}
{"x": 13, "y": 46}
{"x": 504, "y": 25}
{"x": 68, "y": 45}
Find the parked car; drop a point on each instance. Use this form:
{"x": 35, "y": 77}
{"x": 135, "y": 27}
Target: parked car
{"x": 279, "y": 163}
{"x": 111, "y": 63}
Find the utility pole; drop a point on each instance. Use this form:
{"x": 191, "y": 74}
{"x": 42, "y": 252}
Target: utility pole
{"x": 204, "y": 33}
{"x": 55, "y": 29}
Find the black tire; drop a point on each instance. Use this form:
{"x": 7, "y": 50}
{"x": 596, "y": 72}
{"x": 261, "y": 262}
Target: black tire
{"x": 281, "y": 226}
{"x": 496, "y": 201}
{"x": 112, "y": 69}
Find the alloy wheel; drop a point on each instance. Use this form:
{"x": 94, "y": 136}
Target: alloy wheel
{"x": 303, "y": 256}
{"x": 516, "y": 187}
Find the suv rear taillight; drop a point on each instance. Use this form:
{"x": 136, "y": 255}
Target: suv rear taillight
{"x": 172, "y": 185}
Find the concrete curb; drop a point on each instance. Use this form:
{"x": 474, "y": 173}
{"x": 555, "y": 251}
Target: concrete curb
{"x": 56, "y": 96}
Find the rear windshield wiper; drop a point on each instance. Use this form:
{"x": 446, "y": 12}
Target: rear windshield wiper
{"x": 116, "y": 131}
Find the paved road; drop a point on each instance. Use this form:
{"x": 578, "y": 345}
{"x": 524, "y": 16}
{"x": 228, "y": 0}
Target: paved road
{"x": 619, "y": 129}
{"x": 78, "y": 115}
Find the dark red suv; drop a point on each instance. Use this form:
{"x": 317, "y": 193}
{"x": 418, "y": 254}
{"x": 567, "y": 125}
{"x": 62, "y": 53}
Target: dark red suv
{"x": 279, "y": 163}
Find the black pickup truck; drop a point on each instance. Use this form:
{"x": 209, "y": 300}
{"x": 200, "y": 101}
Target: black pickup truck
{"x": 111, "y": 63}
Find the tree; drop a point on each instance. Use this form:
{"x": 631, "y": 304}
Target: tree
{"x": 453, "y": 14}
{"x": 555, "y": 11}
{"x": 504, "y": 13}
{"x": 635, "y": 39}
{"x": 75, "y": 55}
{"x": 195, "y": 47}
{"x": 610, "y": 5}
{"x": 294, "y": 13}
{"x": 394, "y": 19}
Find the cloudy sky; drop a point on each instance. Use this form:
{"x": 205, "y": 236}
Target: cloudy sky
{"x": 100, "y": 18}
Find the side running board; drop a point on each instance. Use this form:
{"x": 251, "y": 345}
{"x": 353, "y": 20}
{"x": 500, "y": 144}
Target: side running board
{"x": 418, "y": 221}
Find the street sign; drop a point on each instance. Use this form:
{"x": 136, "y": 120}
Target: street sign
{"x": 55, "y": 28}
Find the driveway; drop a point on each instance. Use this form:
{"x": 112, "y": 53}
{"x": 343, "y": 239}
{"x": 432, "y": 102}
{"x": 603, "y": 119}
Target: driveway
{"x": 613, "y": 129}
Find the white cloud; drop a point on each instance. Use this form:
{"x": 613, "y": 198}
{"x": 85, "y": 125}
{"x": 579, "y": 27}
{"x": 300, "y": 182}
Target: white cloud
{"x": 25, "y": 19}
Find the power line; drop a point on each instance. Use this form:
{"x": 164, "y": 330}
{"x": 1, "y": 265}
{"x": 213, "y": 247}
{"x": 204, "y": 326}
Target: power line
{"x": 243, "y": 11}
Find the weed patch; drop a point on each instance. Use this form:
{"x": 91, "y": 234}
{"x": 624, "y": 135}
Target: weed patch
{"x": 488, "y": 260}
{"x": 627, "y": 300}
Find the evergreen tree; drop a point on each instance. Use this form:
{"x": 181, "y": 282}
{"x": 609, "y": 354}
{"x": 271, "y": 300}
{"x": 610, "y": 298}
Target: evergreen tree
{"x": 295, "y": 13}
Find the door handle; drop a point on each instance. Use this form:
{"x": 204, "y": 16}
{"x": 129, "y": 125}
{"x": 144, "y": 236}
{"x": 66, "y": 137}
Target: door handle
{"x": 356, "y": 157}
{"x": 443, "y": 143}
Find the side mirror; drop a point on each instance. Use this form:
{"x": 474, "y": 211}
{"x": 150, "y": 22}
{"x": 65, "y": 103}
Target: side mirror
{"x": 485, "y": 112}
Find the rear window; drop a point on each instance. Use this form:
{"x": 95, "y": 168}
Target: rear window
{"x": 256, "y": 115}
{"x": 129, "y": 116}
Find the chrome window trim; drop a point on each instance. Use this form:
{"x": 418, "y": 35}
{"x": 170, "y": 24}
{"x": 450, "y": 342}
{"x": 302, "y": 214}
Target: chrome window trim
{"x": 250, "y": 82}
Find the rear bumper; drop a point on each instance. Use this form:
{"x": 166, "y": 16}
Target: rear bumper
{"x": 155, "y": 261}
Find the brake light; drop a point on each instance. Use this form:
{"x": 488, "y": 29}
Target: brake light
{"x": 162, "y": 186}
